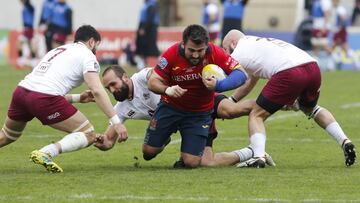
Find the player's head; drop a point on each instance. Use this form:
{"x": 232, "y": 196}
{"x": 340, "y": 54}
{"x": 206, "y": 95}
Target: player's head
{"x": 116, "y": 81}
{"x": 89, "y": 35}
{"x": 231, "y": 39}
{"x": 195, "y": 42}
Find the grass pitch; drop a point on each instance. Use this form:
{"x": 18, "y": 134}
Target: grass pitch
{"x": 310, "y": 165}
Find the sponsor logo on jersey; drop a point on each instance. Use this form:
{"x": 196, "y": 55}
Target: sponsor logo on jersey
{"x": 187, "y": 77}
{"x": 153, "y": 124}
{"x": 146, "y": 96}
{"x": 163, "y": 62}
{"x": 131, "y": 113}
{"x": 205, "y": 126}
{"x": 96, "y": 66}
{"x": 53, "y": 116}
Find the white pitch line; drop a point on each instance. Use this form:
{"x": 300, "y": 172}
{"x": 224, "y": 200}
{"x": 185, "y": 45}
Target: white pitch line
{"x": 284, "y": 116}
{"x": 351, "y": 105}
{"x": 89, "y": 196}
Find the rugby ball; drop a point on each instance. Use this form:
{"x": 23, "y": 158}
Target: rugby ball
{"x": 212, "y": 70}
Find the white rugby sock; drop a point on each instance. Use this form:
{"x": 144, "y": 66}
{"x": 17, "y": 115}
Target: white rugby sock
{"x": 73, "y": 142}
{"x": 50, "y": 149}
{"x": 244, "y": 153}
{"x": 336, "y": 132}
{"x": 257, "y": 141}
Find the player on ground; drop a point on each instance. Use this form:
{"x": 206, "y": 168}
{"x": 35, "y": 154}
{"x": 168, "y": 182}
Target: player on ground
{"x": 186, "y": 104}
{"x": 292, "y": 74}
{"x": 136, "y": 101}
{"x": 42, "y": 95}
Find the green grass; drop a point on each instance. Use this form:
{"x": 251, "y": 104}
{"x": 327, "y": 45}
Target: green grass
{"x": 310, "y": 165}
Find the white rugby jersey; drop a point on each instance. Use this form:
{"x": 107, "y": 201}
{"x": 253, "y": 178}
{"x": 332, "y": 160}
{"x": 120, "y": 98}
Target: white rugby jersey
{"x": 144, "y": 101}
{"x": 264, "y": 57}
{"x": 61, "y": 70}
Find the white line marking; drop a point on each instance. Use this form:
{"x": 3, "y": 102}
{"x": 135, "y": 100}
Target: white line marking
{"x": 88, "y": 196}
{"x": 351, "y": 105}
{"x": 284, "y": 116}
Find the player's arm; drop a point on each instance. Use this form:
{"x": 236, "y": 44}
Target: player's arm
{"x": 108, "y": 140}
{"x": 103, "y": 101}
{"x": 244, "y": 90}
{"x": 85, "y": 97}
{"x": 158, "y": 85}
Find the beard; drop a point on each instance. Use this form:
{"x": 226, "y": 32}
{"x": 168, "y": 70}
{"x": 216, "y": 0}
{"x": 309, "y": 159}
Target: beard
{"x": 93, "y": 50}
{"x": 194, "y": 61}
{"x": 123, "y": 94}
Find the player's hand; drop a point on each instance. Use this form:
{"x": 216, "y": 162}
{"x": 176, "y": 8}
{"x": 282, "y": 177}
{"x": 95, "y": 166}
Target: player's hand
{"x": 121, "y": 131}
{"x": 175, "y": 91}
{"x": 103, "y": 143}
{"x": 86, "y": 96}
{"x": 210, "y": 83}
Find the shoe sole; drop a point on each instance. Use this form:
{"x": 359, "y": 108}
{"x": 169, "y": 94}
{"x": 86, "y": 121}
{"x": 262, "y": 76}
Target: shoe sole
{"x": 350, "y": 154}
{"x": 51, "y": 167}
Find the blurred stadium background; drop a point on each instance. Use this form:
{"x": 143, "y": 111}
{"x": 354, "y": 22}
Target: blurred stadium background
{"x": 275, "y": 18}
{"x": 310, "y": 166}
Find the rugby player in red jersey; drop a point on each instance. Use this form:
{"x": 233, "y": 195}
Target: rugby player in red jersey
{"x": 186, "y": 104}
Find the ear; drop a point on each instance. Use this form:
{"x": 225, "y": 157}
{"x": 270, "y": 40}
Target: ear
{"x": 125, "y": 77}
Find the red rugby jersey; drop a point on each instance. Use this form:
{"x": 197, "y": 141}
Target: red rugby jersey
{"x": 176, "y": 70}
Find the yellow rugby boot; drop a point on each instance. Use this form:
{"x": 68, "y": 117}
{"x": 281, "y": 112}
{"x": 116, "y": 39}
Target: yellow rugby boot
{"x": 45, "y": 160}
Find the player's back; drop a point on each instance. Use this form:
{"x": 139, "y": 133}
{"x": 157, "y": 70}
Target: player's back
{"x": 264, "y": 57}
{"x": 61, "y": 69}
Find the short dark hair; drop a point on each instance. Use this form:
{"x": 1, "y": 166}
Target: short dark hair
{"x": 85, "y": 32}
{"x": 196, "y": 33}
{"x": 118, "y": 70}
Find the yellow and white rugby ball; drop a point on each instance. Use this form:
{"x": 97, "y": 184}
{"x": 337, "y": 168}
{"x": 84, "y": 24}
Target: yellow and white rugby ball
{"x": 212, "y": 70}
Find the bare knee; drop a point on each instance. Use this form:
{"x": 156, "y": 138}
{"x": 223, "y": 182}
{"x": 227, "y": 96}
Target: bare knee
{"x": 150, "y": 152}
{"x": 11, "y": 131}
{"x": 191, "y": 161}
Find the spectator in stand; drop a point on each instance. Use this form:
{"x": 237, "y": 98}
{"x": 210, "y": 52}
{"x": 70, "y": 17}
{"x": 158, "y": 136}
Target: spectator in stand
{"x": 60, "y": 24}
{"x": 355, "y": 14}
{"x": 321, "y": 15}
{"x": 46, "y": 12}
{"x": 340, "y": 45}
{"x": 24, "y": 47}
{"x": 211, "y": 19}
{"x": 146, "y": 35}
{"x": 233, "y": 15}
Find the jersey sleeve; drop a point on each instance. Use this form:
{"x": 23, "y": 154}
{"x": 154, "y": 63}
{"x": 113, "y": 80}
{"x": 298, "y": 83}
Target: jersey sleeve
{"x": 119, "y": 113}
{"x": 163, "y": 68}
{"x": 90, "y": 64}
{"x": 224, "y": 61}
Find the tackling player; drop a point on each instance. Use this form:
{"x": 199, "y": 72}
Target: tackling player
{"x": 292, "y": 74}
{"x": 42, "y": 94}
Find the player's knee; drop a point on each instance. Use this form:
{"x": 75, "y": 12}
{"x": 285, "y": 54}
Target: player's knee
{"x": 9, "y": 135}
{"x": 149, "y": 152}
{"x": 89, "y": 132}
{"x": 192, "y": 163}
{"x": 311, "y": 112}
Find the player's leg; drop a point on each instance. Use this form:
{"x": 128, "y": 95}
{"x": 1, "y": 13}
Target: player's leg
{"x": 308, "y": 104}
{"x": 11, "y": 131}
{"x": 229, "y": 110}
{"x": 326, "y": 120}
{"x": 16, "y": 119}
{"x": 194, "y": 129}
{"x": 81, "y": 135}
{"x": 279, "y": 91}
{"x": 161, "y": 126}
